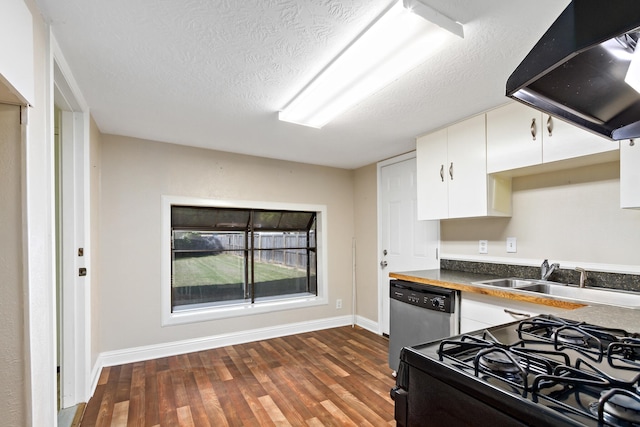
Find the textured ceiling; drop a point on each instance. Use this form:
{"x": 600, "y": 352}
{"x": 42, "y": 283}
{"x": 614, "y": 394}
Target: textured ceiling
{"x": 214, "y": 73}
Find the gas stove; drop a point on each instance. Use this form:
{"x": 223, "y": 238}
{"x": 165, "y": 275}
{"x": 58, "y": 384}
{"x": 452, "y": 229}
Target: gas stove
{"x": 543, "y": 371}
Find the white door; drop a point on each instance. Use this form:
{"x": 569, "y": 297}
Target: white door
{"x": 406, "y": 244}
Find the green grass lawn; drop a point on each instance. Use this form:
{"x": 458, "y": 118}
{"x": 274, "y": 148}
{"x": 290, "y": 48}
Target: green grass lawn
{"x": 226, "y": 269}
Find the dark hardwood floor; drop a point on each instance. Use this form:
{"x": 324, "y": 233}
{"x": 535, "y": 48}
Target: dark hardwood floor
{"x": 334, "y": 377}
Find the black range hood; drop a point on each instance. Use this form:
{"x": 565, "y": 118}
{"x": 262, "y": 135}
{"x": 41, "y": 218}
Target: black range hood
{"x": 576, "y": 71}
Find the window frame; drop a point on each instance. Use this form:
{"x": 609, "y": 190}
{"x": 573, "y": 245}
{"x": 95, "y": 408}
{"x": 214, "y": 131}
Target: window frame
{"x": 244, "y": 308}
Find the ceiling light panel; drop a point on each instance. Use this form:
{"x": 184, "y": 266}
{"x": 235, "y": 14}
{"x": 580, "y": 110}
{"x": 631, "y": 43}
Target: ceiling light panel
{"x": 395, "y": 43}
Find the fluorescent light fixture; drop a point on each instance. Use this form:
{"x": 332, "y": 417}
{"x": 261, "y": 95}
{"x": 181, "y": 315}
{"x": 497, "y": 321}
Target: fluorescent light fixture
{"x": 392, "y": 45}
{"x": 432, "y": 15}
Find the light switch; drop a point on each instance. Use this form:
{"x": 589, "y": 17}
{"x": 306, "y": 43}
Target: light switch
{"x": 511, "y": 245}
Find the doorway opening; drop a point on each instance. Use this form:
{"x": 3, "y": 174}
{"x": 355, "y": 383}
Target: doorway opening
{"x": 71, "y": 171}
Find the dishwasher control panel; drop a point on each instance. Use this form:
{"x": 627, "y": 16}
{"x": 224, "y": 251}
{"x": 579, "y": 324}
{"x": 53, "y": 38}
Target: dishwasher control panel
{"x": 423, "y": 296}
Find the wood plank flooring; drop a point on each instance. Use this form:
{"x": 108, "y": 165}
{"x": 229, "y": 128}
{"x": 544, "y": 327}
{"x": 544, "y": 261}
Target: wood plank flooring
{"x": 334, "y": 377}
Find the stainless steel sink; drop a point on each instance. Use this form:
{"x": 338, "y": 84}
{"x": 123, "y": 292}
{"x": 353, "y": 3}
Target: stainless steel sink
{"x": 510, "y": 282}
{"x": 563, "y": 291}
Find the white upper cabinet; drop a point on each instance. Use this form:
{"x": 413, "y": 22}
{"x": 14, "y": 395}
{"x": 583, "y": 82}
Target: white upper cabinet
{"x": 452, "y": 174}
{"x": 519, "y": 136}
{"x": 16, "y": 51}
{"x": 433, "y": 179}
{"x": 513, "y": 139}
{"x": 467, "y": 168}
{"x": 630, "y": 174}
{"x": 562, "y": 140}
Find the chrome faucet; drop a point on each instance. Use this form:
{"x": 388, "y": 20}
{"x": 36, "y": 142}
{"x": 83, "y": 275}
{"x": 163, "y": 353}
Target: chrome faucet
{"x": 583, "y": 276}
{"x": 546, "y": 270}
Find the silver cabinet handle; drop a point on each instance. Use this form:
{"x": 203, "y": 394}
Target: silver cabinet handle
{"x": 442, "y": 172}
{"x": 550, "y": 126}
{"x": 534, "y": 128}
{"x": 451, "y": 171}
{"x": 515, "y": 313}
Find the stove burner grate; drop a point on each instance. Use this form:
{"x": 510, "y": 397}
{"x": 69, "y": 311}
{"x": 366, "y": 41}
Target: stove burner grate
{"x": 625, "y": 354}
{"x": 618, "y": 407}
{"x": 568, "y": 366}
{"x": 590, "y": 340}
{"x": 571, "y": 336}
{"x": 498, "y": 362}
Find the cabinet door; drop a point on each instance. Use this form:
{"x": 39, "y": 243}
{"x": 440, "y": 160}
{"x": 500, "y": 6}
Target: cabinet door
{"x": 629, "y": 174}
{"x": 562, "y": 140}
{"x": 477, "y": 310}
{"x": 514, "y": 137}
{"x": 466, "y": 170}
{"x": 16, "y": 45}
{"x": 431, "y": 156}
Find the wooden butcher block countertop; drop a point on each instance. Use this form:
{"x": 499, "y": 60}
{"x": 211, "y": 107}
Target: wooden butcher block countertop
{"x": 464, "y": 281}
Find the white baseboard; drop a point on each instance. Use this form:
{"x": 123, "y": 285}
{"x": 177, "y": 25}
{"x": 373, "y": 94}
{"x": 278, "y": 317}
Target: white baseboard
{"x": 368, "y": 324}
{"x": 137, "y": 354}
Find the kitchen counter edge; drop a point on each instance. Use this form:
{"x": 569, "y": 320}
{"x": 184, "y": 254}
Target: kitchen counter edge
{"x": 614, "y": 317}
{"x": 463, "y": 281}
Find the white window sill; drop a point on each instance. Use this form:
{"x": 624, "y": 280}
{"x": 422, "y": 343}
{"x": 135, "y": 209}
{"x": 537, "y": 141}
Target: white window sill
{"x": 216, "y": 312}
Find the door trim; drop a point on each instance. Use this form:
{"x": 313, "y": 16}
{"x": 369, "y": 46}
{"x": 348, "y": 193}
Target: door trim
{"x": 382, "y": 274}
{"x": 76, "y": 291}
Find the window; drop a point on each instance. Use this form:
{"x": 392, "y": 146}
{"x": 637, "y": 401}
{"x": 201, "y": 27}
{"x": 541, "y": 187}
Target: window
{"x": 223, "y": 257}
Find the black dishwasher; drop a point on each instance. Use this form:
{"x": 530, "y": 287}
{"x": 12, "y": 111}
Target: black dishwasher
{"x": 419, "y": 313}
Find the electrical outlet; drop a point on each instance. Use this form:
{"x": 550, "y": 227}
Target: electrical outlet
{"x": 483, "y": 246}
{"x": 338, "y": 303}
{"x": 511, "y": 245}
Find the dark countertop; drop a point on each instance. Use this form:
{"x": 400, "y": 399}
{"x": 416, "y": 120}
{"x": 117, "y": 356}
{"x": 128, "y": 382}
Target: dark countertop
{"x": 612, "y": 317}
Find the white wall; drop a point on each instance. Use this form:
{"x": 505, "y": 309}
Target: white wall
{"x": 572, "y": 215}
{"x": 365, "y": 193}
{"x": 136, "y": 173}
{"x": 12, "y": 352}
{"x": 94, "y": 268}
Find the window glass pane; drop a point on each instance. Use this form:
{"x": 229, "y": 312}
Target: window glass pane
{"x": 217, "y": 258}
{"x": 272, "y": 277}
{"x": 312, "y": 234}
{"x": 280, "y": 264}
{"x": 279, "y": 240}
{"x": 296, "y": 220}
{"x": 313, "y": 276}
{"x": 282, "y": 220}
{"x": 208, "y": 267}
{"x": 196, "y": 240}
{"x": 266, "y": 219}
{"x": 211, "y": 218}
